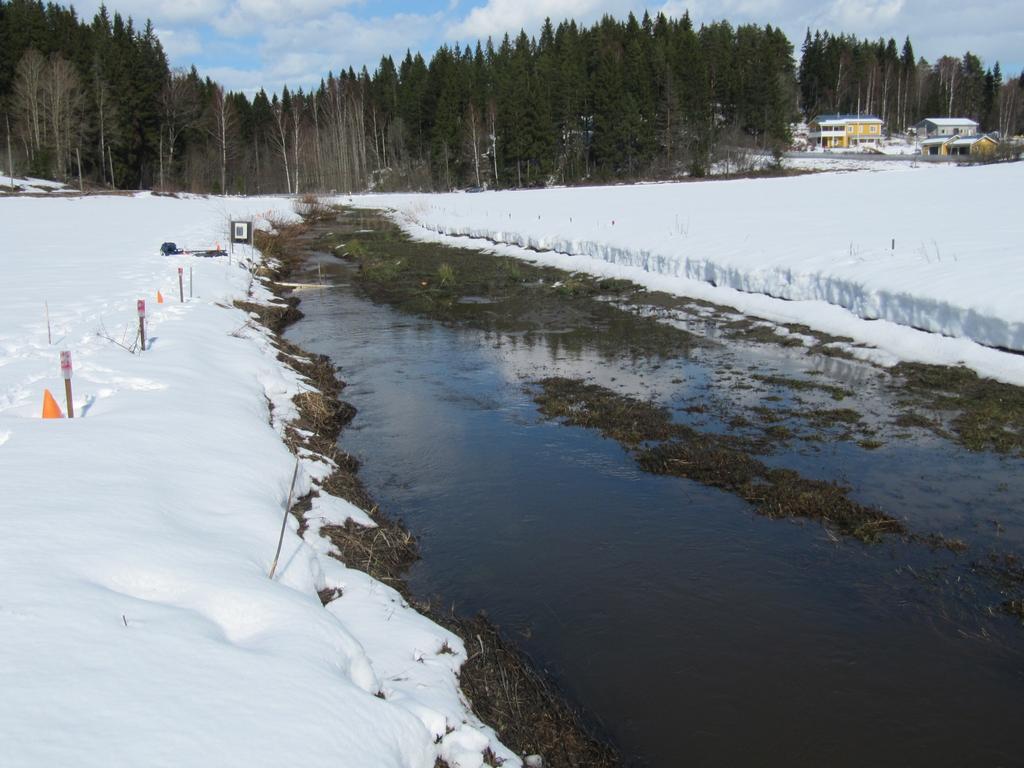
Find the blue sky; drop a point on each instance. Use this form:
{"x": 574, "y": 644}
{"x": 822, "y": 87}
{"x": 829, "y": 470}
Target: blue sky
{"x": 248, "y": 44}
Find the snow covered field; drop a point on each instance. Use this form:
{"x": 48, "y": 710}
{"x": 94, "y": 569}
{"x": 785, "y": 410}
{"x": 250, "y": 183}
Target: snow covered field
{"x": 138, "y": 624}
{"x": 872, "y": 256}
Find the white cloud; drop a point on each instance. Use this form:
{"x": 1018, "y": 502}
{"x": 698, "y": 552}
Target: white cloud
{"x": 496, "y": 17}
{"x": 863, "y": 14}
{"x": 299, "y": 53}
{"x": 179, "y": 44}
{"x": 298, "y": 41}
{"x": 164, "y": 13}
{"x": 245, "y": 17}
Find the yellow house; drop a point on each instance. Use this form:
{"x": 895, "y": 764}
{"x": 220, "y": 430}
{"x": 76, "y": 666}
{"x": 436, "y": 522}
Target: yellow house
{"x": 844, "y": 131}
{"x": 959, "y": 145}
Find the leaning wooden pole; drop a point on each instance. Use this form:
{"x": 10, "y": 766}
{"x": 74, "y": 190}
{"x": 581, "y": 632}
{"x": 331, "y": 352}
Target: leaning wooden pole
{"x": 10, "y": 157}
{"x": 284, "y": 522}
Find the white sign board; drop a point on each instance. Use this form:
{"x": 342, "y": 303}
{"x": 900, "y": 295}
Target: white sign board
{"x": 241, "y": 232}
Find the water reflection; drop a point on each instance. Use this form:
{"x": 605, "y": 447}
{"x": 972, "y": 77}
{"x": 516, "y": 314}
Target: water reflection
{"x": 694, "y": 630}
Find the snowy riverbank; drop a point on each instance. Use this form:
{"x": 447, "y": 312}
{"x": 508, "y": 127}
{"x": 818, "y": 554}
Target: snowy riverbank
{"x": 139, "y": 626}
{"x": 869, "y": 255}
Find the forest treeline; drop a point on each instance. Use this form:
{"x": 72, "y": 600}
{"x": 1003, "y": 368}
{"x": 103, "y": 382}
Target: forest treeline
{"x": 619, "y": 100}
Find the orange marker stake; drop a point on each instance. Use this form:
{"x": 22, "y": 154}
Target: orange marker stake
{"x": 159, "y": 298}
{"x": 65, "y": 369}
{"x": 50, "y": 408}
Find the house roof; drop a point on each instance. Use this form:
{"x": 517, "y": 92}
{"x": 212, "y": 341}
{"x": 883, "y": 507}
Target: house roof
{"x": 949, "y": 121}
{"x": 967, "y": 141}
{"x": 957, "y": 141}
{"x": 822, "y": 119}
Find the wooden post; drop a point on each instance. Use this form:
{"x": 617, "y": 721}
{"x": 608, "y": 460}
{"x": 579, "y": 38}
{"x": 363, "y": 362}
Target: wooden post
{"x": 141, "y": 306}
{"x": 78, "y": 154}
{"x": 110, "y": 157}
{"x": 181, "y": 285}
{"x": 190, "y": 281}
{"x": 284, "y": 522}
{"x": 49, "y": 333}
{"x": 10, "y": 158}
{"x": 65, "y": 369}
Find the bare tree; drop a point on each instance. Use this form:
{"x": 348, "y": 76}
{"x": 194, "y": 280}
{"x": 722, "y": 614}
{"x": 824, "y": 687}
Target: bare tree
{"x": 223, "y": 122}
{"x": 296, "y": 141}
{"x": 948, "y": 69}
{"x": 1009, "y": 108}
{"x": 279, "y": 137}
{"x": 179, "y": 102}
{"x": 103, "y": 108}
{"x": 29, "y": 82}
{"x": 62, "y": 100}
{"x": 492, "y": 118}
{"x": 474, "y": 135}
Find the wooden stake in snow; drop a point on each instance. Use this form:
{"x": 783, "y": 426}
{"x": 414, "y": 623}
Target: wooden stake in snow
{"x": 49, "y": 333}
{"x": 78, "y": 154}
{"x": 65, "y": 369}
{"x": 181, "y": 284}
{"x": 110, "y": 156}
{"x": 10, "y": 160}
{"x": 190, "y": 281}
{"x": 284, "y": 523}
{"x": 141, "y": 306}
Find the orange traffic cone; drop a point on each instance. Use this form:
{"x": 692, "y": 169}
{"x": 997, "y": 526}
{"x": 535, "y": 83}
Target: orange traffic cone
{"x": 50, "y": 408}
{"x": 159, "y": 298}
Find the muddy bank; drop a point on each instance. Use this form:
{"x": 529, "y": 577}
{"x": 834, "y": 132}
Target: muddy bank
{"x": 505, "y": 689}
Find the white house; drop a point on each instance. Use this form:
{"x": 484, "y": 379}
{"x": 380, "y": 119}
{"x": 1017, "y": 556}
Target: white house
{"x": 936, "y": 127}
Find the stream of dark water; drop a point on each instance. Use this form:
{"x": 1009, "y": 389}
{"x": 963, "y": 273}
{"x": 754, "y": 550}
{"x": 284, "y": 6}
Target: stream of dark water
{"x": 693, "y": 631}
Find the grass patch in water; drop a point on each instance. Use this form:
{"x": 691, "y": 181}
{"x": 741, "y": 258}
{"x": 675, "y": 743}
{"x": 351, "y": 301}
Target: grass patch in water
{"x": 987, "y": 414}
{"x": 432, "y": 280}
{"x": 628, "y": 420}
{"x": 775, "y": 493}
{"x": 828, "y": 417}
{"x": 758, "y": 332}
{"x": 719, "y": 461}
{"x": 1006, "y": 572}
{"x": 835, "y": 392}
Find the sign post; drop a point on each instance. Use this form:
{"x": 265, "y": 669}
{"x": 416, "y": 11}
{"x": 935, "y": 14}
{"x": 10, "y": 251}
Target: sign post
{"x": 141, "y": 306}
{"x": 181, "y": 284}
{"x": 241, "y": 233}
{"x": 65, "y": 369}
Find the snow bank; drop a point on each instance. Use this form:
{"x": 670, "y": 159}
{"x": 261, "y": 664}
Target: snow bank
{"x": 935, "y": 248}
{"x": 32, "y": 186}
{"x": 139, "y": 626}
